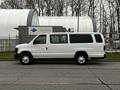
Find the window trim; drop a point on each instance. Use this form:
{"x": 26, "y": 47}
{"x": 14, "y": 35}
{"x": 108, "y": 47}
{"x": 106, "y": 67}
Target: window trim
{"x": 38, "y": 36}
{"x": 58, "y": 35}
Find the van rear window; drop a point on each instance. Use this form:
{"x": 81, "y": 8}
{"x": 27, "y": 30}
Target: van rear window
{"x": 98, "y": 38}
{"x": 81, "y": 38}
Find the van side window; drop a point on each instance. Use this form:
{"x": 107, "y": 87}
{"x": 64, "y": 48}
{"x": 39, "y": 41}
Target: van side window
{"x": 58, "y": 39}
{"x": 40, "y": 40}
{"x": 98, "y": 38}
{"x": 81, "y": 38}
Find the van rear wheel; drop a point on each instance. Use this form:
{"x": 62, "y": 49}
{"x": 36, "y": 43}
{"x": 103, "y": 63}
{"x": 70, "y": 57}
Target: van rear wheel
{"x": 81, "y": 59}
{"x": 26, "y": 59}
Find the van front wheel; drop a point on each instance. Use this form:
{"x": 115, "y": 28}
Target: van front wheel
{"x": 26, "y": 59}
{"x": 81, "y": 59}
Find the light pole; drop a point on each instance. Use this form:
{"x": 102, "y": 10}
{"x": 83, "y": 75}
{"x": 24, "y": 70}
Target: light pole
{"x": 78, "y": 15}
{"x": 78, "y": 22}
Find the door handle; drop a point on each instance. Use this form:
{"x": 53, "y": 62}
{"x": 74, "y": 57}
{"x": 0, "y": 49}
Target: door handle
{"x": 46, "y": 48}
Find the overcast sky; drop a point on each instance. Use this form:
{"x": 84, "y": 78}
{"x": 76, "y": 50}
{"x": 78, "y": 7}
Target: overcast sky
{"x": 1, "y": 1}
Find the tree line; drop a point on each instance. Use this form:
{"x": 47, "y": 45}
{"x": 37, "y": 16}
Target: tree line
{"x": 105, "y": 12}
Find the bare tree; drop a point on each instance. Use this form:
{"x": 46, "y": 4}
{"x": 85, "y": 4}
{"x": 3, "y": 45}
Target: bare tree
{"x": 118, "y": 15}
{"x": 106, "y": 12}
{"x": 91, "y": 10}
{"x": 13, "y": 4}
{"x": 30, "y": 4}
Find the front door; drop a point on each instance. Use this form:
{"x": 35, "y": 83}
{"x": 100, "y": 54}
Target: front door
{"x": 39, "y": 47}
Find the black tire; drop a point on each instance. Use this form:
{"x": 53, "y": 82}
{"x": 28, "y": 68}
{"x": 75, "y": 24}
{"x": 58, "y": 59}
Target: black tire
{"x": 26, "y": 59}
{"x": 81, "y": 59}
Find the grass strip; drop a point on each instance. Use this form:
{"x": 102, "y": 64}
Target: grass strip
{"x": 9, "y": 56}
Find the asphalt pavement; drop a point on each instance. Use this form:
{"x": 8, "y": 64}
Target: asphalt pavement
{"x": 62, "y": 75}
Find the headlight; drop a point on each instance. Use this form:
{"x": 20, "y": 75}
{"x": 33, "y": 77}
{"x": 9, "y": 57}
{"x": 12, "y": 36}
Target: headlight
{"x": 16, "y": 50}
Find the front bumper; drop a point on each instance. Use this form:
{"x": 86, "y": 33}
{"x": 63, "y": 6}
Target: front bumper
{"x": 105, "y": 56}
{"x": 17, "y": 56}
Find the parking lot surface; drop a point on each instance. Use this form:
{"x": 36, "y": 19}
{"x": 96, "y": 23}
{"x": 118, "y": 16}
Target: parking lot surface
{"x": 59, "y": 75}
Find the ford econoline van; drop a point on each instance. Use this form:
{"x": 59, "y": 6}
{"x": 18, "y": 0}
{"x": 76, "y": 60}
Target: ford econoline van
{"x": 80, "y": 46}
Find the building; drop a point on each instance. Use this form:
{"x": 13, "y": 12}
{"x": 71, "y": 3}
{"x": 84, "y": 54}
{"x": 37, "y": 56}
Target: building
{"x": 27, "y": 33}
{"x": 10, "y": 19}
{"x": 22, "y": 22}
{"x": 86, "y": 23}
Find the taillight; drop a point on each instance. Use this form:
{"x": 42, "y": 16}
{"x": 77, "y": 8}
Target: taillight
{"x": 104, "y": 47}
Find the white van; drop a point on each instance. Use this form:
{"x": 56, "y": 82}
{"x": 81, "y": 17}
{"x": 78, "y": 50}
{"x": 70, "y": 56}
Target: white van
{"x": 80, "y": 46}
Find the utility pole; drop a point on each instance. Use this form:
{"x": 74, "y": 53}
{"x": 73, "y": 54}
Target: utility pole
{"x": 78, "y": 15}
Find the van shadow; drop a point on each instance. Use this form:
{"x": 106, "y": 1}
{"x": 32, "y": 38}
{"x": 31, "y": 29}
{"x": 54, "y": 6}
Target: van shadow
{"x": 67, "y": 62}
{"x": 54, "y": 61}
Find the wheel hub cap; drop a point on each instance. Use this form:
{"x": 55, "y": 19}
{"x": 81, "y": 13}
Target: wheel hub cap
{"x": 25, "y": 59}
{"x": 81, "y": 59}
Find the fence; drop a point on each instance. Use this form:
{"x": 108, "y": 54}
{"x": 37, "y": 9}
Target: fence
{"x": 112, "y": 41}
{"x": 8, "y": 44}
